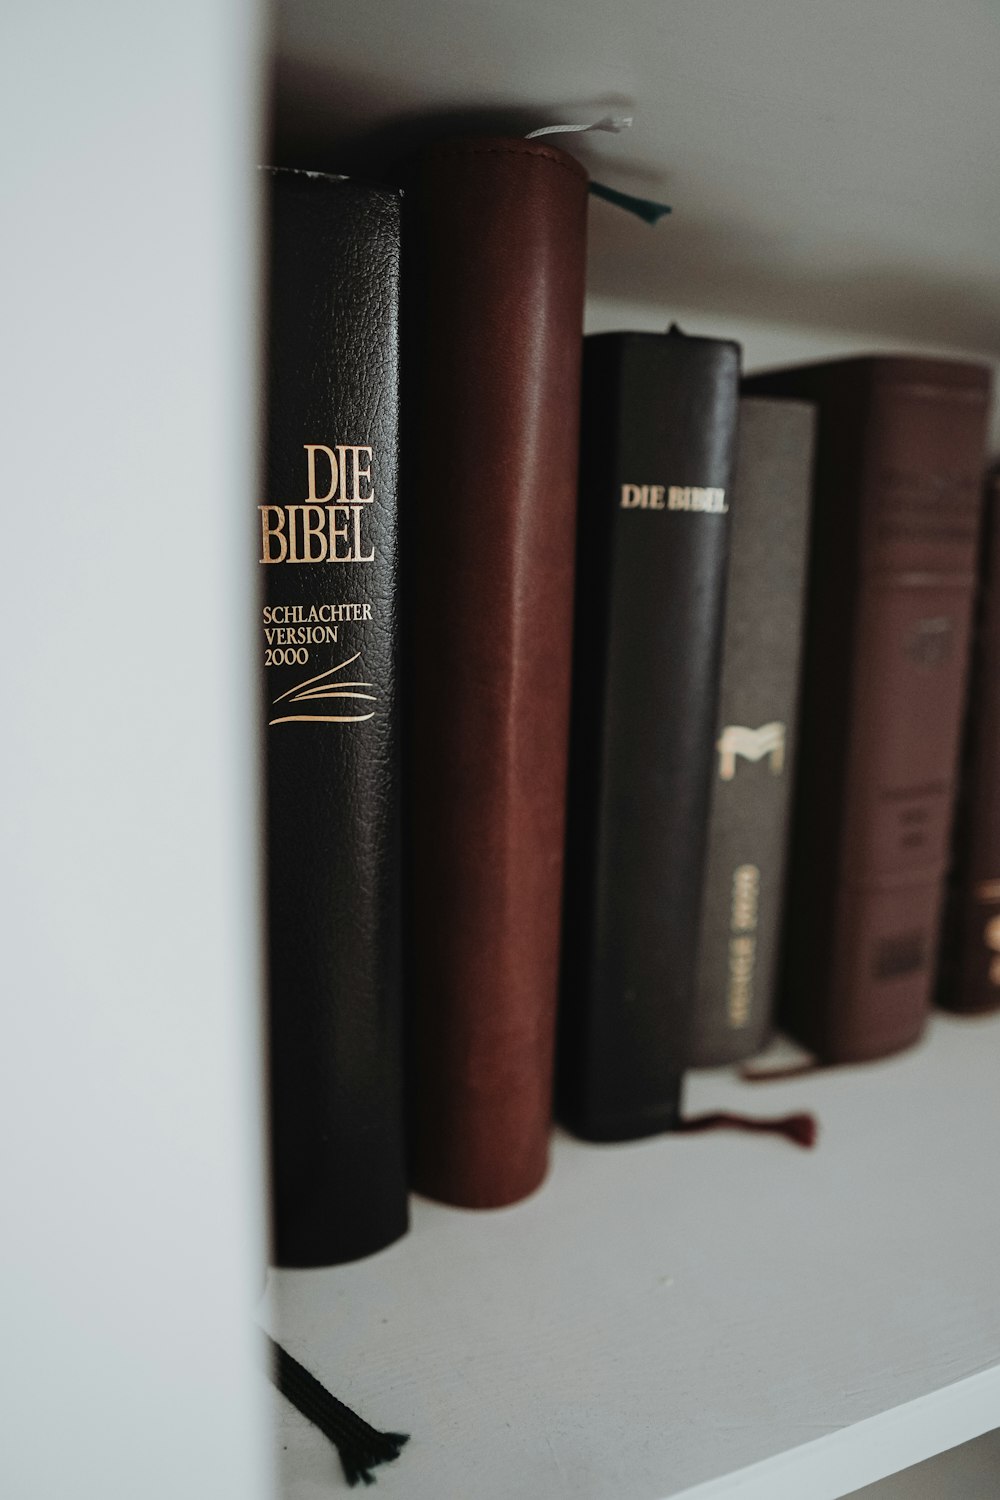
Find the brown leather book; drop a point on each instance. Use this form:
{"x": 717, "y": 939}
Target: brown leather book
{"x": 496, "y": 288}
{"x": 969, "y": 979}
{"x": 892, "y": 564}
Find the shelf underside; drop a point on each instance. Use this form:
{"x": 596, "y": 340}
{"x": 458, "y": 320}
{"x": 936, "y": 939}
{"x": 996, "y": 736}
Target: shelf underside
{"x": 828, "y": 166}
{"x": 663, "y": 1315}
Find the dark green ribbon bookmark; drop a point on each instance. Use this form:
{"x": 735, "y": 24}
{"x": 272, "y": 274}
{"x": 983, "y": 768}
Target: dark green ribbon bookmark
{"x": 643, "y": 208}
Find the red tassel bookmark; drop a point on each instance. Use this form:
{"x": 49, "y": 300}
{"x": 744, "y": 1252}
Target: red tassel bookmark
{"x": 800, "y": 1128}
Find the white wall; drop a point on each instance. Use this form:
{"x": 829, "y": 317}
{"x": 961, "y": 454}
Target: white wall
{"x": 131, "y": 1246}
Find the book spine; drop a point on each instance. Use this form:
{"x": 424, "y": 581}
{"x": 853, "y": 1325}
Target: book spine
{"x": 900, "y": 452}
{"x": 497, "y": 295}
{"x": 327, "y": 533}
{"x": 969, "y": 980}
{"x": 743, "y": 892}
{"x": 659, "y": 426}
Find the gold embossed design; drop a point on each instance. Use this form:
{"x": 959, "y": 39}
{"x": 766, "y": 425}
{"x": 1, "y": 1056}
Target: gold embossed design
{"x": 931, "y": 642}
{"x": 319, "y": 687}
{"x": 742, "y": 945}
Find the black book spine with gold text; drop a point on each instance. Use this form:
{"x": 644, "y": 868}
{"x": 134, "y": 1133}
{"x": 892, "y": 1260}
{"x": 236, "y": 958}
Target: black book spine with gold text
{"x": 657, "y": 445}
{"x": 327, "y": 552}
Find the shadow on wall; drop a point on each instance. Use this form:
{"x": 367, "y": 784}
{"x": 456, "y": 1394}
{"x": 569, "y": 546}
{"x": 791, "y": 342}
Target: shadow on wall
{"x": 743, "y": 273}
{"x": 969, "y": 1472}
{"x": 724, "y": 267}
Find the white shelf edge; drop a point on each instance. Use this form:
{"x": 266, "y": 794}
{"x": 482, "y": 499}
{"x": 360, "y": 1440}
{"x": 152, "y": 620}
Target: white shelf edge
{"x": 866, "y": 1451}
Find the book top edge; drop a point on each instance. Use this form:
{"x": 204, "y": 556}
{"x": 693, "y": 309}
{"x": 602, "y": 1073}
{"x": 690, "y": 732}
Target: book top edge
{"x": 302, "y": 172}
{"x": 892, "y": 369}
{"x": 494, "y": 145}
{"x": 672, "y": 338}
{"x": 778, "y": 403}
{"x": 331, "y": 179}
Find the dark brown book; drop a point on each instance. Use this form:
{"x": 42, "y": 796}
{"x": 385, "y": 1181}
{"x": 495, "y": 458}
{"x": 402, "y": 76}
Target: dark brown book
{"x": 969, "y": 980}
{"x": 892, "y": 565}
{"x": 497, "y": 278}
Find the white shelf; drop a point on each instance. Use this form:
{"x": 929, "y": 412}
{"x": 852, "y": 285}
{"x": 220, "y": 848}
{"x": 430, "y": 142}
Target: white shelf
{"x": 696, "y": 1316}
{"x": 659, "y": 1316}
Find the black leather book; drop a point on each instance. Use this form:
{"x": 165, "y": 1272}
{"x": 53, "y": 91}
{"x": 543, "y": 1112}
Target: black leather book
{"x": 659, "y": 425}
{"x": 743, "y": 892}
{"x": 327, "y": 539}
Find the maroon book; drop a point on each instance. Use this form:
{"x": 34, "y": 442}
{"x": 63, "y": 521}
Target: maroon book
{"x": 496, "y": 282}
{"x": 969, "y": 980}
{"x": 891, "y": 582}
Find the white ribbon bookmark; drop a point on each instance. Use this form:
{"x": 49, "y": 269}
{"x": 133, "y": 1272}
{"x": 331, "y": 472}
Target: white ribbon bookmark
{"x": 643, "y": 208}
{"x": 613, "y": 123}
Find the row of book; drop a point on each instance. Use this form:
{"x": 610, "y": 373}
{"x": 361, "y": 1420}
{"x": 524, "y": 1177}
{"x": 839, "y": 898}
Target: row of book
{"x": 536, "y": 681}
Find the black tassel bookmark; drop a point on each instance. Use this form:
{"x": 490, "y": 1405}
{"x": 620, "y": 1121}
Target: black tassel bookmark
{"x": 361, "y": 1447}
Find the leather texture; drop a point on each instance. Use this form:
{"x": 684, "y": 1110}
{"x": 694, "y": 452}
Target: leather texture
{"x": 969, "y": 976}
{"x": 496, "y": 284}
{"x": 754, "y": 753}
{"x": 659, "y": 411}
{"x": 330, "y": 721}
{"x": 895, "y": 523}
